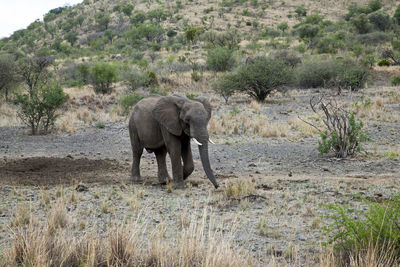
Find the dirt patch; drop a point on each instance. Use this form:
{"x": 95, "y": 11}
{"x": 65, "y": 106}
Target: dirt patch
{"x": 52, "y": 171}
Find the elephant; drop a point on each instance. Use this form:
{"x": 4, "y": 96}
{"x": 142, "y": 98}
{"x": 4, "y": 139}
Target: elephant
{"x": 166, "y": 124}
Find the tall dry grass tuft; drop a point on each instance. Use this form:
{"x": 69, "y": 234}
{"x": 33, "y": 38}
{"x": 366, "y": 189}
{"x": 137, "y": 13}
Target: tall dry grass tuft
{"x": 368, "y": 257}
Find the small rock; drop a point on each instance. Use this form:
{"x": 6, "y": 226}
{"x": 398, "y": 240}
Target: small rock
{"x": 70, "y": 156}
{"x": 290, "y": 174}
{"x": 252, "y": 165}
{"x": 325, "y": 169}
{"x": 81, "y": 188}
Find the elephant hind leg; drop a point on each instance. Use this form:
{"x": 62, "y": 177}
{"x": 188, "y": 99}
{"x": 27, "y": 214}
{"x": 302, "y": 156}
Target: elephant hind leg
{"x": 163, "y": 176}
{"x": 137, "y": 151}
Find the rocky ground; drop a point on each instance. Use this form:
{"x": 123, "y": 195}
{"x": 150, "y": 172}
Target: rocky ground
{"x": 281, "y": 183}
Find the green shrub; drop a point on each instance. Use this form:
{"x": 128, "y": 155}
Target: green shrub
{"x": 290, "y": 58}
{"x": 127, "y": 102}
{"x": 354, "y": 233}
{"x": 226, "y": 86}
{"x": 134, "y": 78}
{"x": 384, "y": 62}
{"x": 396, "y": 80}
{"x": 38, "y": 107}
{"x": 374, "y": 5}
{"x": 102, "y": 77}
{"x": 283, "y": 26}
{"x": 220, "y": 59}
{"x": 158, "y": 91}
{"x": 381, "y": 20}
{"x": 259, "y": 76}
{"x": 127, "y": 9}
{"x": 344, "y": 135}
{"x": 373, "y": 38}
{"x": 300, "y": 11}
{"x": 396, "y": 15}
{"x": 361, "y": 23}
{"x": 195, "y": 76}
{"x": 307, "y": 31}
{"x": 351, "y": 75}
{"x": 316, "y": 73}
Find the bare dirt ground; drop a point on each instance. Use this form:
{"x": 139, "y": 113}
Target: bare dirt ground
{"x": 282, "y": 184}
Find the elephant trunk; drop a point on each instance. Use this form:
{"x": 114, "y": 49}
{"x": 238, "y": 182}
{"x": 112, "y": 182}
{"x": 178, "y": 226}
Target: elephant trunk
{"x": 203, "y": 150}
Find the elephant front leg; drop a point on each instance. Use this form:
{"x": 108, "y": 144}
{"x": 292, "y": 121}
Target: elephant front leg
{"x": 187, "y": 158}
{"x": 162, "y": 165}
{"x": 177, "y": 170}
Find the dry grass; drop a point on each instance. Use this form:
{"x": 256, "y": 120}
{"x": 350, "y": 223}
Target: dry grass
{"x": 238, "y": 189}
{"x": 368, "y": 257}
{"x": 8, "y": 115}
{"x": 303, "y": 128}
{"x": 198, "y": 244}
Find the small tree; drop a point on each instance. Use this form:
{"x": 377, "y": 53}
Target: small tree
{"x": 259, "y": 76}
{"x": 283, "y": 26}
{"x": 102, "y": 77}
{"x": 38, "y": 108}
{"x": 226, "y": 86}
{"x": 220, "y": 59}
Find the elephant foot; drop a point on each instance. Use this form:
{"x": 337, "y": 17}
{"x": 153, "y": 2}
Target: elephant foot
{"x": 136, "y": 179}
{"x": 179, "y": 185}
{"x": 163, "y": 180}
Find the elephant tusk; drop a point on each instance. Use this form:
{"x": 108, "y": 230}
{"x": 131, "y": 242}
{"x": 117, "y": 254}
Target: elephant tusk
{"x": 211, "y": 141}
{"x": 197, "y": 142}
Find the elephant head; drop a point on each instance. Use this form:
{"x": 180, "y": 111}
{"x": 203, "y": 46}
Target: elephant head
{"x": 180, "y": 115}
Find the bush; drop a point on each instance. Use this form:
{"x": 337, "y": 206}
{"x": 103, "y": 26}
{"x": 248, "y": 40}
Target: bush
{"x": 373, "y": 38}
{"x": 102, "y": 77}
{"x": 290, "y": 58}
{"x": 134, "y": 78}
{"x": 307, "y": 31}
{"x": 396, "y": 15}
{"x": 351, "y": 75}
{"x": 343, "y": 134}
{"x": 384, "y": 62}
{"x": 358, "y": 232}
{"x": 300, "y": 11}
{"x": 220, "y": 59}
{"x": 381, "y": 20}
{"x": 396, "y": 80}
{"x": 226, "y": 86}
{"x": 361, "y": 23}
{"x": 316, "y": 73}
{"x": 127, "y": 102}
{"x": 39, "y": 106}
{"x": 259, "y": 76}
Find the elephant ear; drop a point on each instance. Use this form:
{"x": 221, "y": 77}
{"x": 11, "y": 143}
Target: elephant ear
{"x": 206, "y": 104}
{"x": 166, "y": 112}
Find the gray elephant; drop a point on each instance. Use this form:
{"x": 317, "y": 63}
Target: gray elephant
{"x": 162, "y": 124}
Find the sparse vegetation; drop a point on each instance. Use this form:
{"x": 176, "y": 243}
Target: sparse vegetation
{"x": 356, "y": 233}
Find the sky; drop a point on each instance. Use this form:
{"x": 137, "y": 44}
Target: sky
{"x": 18, "y": 14}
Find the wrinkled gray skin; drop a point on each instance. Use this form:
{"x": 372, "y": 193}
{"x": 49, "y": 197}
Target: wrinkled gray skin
{"x": 165, "y": 124}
